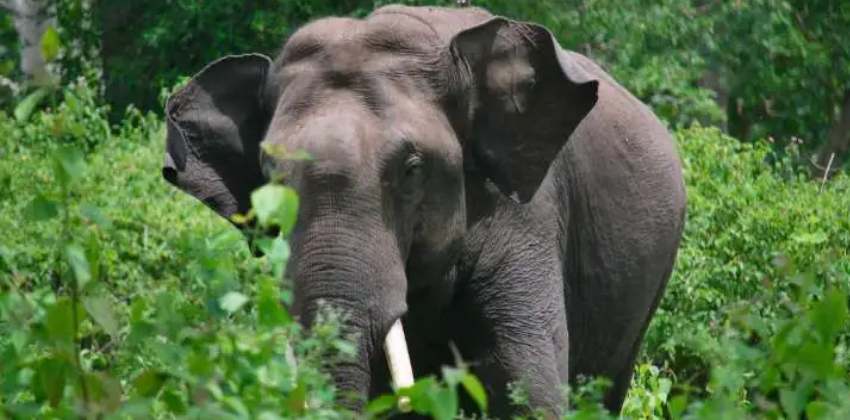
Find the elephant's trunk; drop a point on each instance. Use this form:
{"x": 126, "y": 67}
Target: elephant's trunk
{"x": 354, "y": 267}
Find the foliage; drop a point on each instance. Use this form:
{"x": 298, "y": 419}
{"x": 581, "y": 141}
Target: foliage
{"x": 179, "y": 38}
{"x": 9, "y": 61}
{"x": 762, "y": 245}
{"x": 765, "y": 68}
{"x": 76, "y": 117}
{"x": 742, "y": 215}
{"x": 121, "y": 296}
{"x": 786, "y": 64}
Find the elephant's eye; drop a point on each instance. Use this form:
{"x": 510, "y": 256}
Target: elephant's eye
{"x": 413, "y": 166}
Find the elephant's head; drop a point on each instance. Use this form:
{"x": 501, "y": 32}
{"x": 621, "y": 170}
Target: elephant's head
{"x": 395, "y": 118}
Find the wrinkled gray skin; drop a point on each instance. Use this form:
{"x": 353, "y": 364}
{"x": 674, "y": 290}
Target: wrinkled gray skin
{"x": 469, "y": 175}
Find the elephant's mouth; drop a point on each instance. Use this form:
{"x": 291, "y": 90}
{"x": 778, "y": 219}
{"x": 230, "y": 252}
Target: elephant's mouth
{"x": 398, "y": 358}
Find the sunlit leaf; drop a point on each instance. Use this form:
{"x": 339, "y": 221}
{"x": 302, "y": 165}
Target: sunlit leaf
{"x": 278, "y": 255}
{"x": 444, "y": 403}
{"x": 79, "y": 263}
{"x": 270, "y": 311}
{"x": 452, "y": 376}
{"x": 102, "y": 311}
{"x": 420, "y": 393}
{"x": 26, "y": 107}
{"x": 276, "y": 205}
{"x": 382, "y": 404}
{"x": 475, "y": 389}
{"x": 232, "y": 301}
{"x": 50, "y": 44}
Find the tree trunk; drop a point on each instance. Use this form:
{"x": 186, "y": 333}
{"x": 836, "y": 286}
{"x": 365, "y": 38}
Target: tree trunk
{"x": 837, "y": 142}
{"x": 32, "y": 18}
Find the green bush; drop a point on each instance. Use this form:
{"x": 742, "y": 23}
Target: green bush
{"x": 743, "y": 214}
{"x": 121, "y": 296}
{"x": 764, "y": 247}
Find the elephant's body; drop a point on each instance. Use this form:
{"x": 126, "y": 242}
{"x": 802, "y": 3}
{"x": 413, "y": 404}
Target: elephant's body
{"x": 580, "y": 269}
{"x": 539, "y": 260}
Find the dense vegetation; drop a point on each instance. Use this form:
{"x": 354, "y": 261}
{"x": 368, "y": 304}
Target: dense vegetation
{"x": 122, "y": 297}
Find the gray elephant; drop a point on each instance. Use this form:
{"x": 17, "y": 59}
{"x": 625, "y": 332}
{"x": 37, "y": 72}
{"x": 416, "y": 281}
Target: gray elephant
{"x": 468, "y": 176}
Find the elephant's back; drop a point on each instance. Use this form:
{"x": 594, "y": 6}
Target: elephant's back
{"x": 619, "y": 184}
{"x": 622, "y": 161}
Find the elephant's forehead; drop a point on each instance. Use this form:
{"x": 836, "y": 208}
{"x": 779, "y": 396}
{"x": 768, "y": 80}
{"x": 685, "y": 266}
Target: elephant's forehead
{"x": 354, "y": 42}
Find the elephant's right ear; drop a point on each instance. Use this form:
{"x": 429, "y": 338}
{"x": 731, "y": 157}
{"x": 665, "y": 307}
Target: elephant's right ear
{"x": 215, "y": 126}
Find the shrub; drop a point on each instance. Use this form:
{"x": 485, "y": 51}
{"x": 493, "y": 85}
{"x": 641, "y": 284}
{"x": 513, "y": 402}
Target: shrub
{"x": 121, "y": 296}
{"x": 764, "y": 248}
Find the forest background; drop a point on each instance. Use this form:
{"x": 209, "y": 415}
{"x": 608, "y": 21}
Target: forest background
{"x": 120, "y": 297}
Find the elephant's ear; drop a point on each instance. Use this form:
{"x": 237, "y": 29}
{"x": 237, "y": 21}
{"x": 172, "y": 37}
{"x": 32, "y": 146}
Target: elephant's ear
{"x": 215, "y": 125}
{"x": 525, "y": 101}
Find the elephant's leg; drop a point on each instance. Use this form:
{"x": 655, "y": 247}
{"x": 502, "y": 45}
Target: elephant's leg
{"x": 613, "y": 290}
{"x": 513, "y": 303}
{"x": 530, "y": 364}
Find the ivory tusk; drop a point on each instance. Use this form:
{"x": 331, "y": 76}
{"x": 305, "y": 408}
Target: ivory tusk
{"x": 398, "y": 359}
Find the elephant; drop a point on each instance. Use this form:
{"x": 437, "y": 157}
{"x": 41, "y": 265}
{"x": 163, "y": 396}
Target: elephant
{"x": 502, "y": 197}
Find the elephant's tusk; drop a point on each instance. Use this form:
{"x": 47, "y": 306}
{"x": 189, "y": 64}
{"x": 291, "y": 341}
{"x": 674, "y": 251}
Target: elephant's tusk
{"x": 398, "y": 358}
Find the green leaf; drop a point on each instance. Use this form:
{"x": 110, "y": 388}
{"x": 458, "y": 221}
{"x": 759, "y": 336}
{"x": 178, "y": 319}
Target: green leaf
{"x": 79, "y": 264}
{"x": 830, "y": 315}
{"x": 69, "y": 165}
{"x": 149, "y": 382}
{"x": 6, "y": 262}
{"x": 276, "y": 205}
{"x": 444, "y": 403}
{"x": 26, "y": 107}
{"x": 101, "y": 310}
{"x": 60, "y": 323}
{"x": 40, "y": 208}
{"x": 381, "y": 405}
{"x": 810, "y": 238}
{"x": 677, "y": 406}
{"x": 232, "y": 301}
{"x": 50, "y": 44}
{"x": 296, "y": 399}
{"x": 452, "y": 376}
{"x": 419, "y": 394}
{"x": 278, "y": 255}
{"x": 817, "y": 410}
{"x": 52, "y": 374}
{"x": 103, "y": 389}
{"x": 475, "y": 390}
{"x": 266, "y": 202}
{"x": 94, "y": 215}
{"x": 270, "y": 311}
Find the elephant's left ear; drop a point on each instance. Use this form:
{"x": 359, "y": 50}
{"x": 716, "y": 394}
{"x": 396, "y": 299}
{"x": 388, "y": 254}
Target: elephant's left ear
{"x": 525, "y": 101}
{"x": 215, "y": 125}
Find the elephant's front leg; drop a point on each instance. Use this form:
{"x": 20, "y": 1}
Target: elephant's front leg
{"x": 517, "y": 308}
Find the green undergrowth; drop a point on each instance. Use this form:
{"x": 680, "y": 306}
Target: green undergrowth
{"x": 121, "y": 297}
